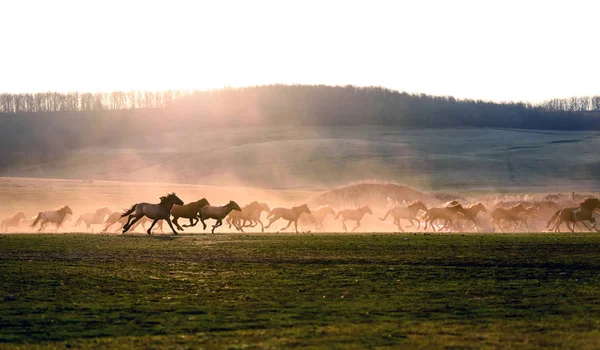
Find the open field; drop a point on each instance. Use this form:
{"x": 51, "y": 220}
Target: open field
{"x": 326, "y": 290}
{"x": 318, "y": 158}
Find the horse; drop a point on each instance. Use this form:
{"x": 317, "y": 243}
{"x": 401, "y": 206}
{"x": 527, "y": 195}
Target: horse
{"x": 56, "y": 217}
{"x": 291, "y": 215}
{"x": 407, "y": 213}
{"x": 254, "y": 218}
{"x": 584, "y": 212}
{"x": 188, "y": 211}
{"x": 317, "y": 216}
{"x": 524, "y": 216}
{"x": 470, "y": 213}
{"x": 92, "y": 218}
{"x": 238, "y": 218}
{"x": 511, "y": 215}
{"x": 353, "y": 215}
{"x": 217, "y": 213}
{"x": 13, "y": 221}
{"x": 448, "y": 214}
{"x": 116, "y": 218}
{"x": 156, "y": 212}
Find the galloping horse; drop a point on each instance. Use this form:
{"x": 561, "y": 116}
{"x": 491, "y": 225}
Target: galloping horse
{"x": 116, "y": 218}
{"x": 407, "y": 213}
{"x": 448, "y": 214}
{"x": 188, "y": 211}
{"x": 160, "y": 211}
{"x": 470, "y": 213}
{"x": 584, "y": 212}
{"x": 511, "y": 215}
{"x": 291, "y": 215}
{"x": 56, "y": 217}
{"x": 92, "y": 218}
{"x": 238, "y": 218}
{"x": 14, "y": 221}
{"x": 524, "y": 216}
{"x": 353, "y": 215}
{"x": 254, "y": 218}
{"x": 317, "y": 216}
{"x": 217, "y": 213}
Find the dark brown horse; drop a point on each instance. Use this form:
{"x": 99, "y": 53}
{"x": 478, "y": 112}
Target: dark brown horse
{"x": 511, "y": 215}
{"x": 448, "y": 214}
{"x": 584, "y": 212}
{"x": 188, "y": 211}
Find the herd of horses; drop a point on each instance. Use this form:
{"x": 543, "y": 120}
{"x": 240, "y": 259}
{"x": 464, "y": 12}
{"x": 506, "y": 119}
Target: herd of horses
{"x": 449, "y": 216}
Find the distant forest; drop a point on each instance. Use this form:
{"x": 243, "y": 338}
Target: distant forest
{"x": 308, "y": 105}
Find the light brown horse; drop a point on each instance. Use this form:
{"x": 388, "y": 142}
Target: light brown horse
{"x": 56, "y": 217}
{"x": 584, "y": 212}
{"x": 353, "y": 215}
{"x": 448, "y": 214}
{"x": 317, "y": 216}
{"x": 407, "y": 213}
{"x": 188, "y": 211}
{"x": 13, "y": 221}
{"x": 511, "y": 215}
{"x": 291, "y": 215}
{"x": 249, "y": 213}
{"x": 92, "y": 218}
{"x": 217, "y": 213}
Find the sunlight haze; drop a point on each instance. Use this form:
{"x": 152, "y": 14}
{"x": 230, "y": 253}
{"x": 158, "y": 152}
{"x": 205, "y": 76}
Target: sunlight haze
{"x": 503, "y": 50}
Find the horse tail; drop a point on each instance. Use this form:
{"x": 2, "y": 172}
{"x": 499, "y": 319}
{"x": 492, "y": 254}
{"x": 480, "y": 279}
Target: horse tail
{"x": 128, "y": 212}
{"x": 553, "y": 218}
{"x": 386, "y": 215}
{"x": 37, "y": 219}
{"x": 270, "y": 214}
{"x": 338, "y": 215}
{"x": 78, "y": 220}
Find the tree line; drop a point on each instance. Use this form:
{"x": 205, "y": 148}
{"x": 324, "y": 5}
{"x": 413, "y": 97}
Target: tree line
{"x": 312, "y": 105}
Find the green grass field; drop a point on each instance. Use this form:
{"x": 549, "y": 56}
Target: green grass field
{"x": 281, "y": 291}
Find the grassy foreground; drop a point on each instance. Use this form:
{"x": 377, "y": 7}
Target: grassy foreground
{"x": 280, "y": 291}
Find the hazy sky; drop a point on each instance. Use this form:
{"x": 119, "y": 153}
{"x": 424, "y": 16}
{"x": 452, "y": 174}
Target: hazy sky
{"x": 495, "y": 50}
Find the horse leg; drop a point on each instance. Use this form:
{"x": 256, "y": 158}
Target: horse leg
{"x": 296, "y": 225}
{"x": 288, "y": 225}
{"x": 272, "y": 220}
{"x": 151, "y": 226}
{"x": 126, "y": 227}
{"x": 400, "y": 227}
{"x": 203, "y": 223}
{"x": 262, "y": 227}
{"x": 171, "y": 225}
{"x": 176, "y": 223}
{"x": 219, "y": 223}
{"x": 344, "y": 224}
{"x": 357, "y": 225}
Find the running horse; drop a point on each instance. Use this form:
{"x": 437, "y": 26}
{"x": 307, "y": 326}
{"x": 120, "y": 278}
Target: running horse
{"x": 448, "y": 213}
{"x": 92, "y": 218}
{"x": 217, "y": 213}
{"x": 13, "y": 221}
{"x": 188, "y": 211}
{"x": 353, "y": 215}
{"x": 156, "y": 212}
{"x": 55, "y": 216}
{"x": 470, "y": 213}
{"x": 584, "y": 212}
{"x": 511, "y": 215}
{"x": 407, "y": 213}
{"x": 291, "y": 215}
{"x": 251, "y": 212}
{"x": 317, "y": 216}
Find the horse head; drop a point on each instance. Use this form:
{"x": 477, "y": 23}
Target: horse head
{"x": 301, "y": 209}
{"x": 591, "y": 203}
{"x": 265, "y": 207}
{"x": 171, "y": 198}
{"x": 20, "y": 215}
{"x": 365, "y": 210}
{"x": 66, "y": 210}
{"x": 201, "y": 203}
{"x": 328, "y": 210}
{"x": 418, "y": 205}
{"x": 234, "y": 206}
{"x": 480, "y": 207}
{"x": 103, "y": 211}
